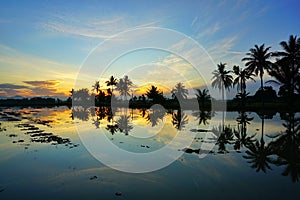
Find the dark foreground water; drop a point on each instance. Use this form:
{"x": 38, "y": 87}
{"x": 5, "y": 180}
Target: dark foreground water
{"x": 49, "y": 153}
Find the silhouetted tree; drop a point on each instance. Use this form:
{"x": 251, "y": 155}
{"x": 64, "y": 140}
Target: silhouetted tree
{"x": 242, "y": 76}
{"x": 258, "y": 61}
{"x": 124, "y": 85}
{"x": 286, "y": 69}
{"x": 96, "y": 87}
{"x": 155, "y": 95}
{"x": 202, "y": 97}
{"x": 221, "y": 79}
{"x": 112, "y": 82}
{"x": 179, "y": 92}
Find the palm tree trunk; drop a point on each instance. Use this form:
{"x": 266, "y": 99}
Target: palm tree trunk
{"x": 223, "y": 116}
{"x": 262, "y": 89}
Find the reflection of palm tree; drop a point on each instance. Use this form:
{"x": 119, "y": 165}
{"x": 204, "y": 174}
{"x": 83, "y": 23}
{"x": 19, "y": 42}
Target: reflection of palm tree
{"x": 111, "y": 82}
{"x": 286, "y": 147}
{"x": 225, "y": 137}
{"x": 258, "y": 61}
{"x": 259, "y": 153}
{"x": 242, "y": 139}
{"x": 124, "y": 124}
{"x": 80, "y": 113}
{"x": 203, "y": 116}
{"x": 179, "y": 120}
{"x": 179, "y": 92}
{"x": 202, "y": 97}
{"x": 112, "y": 128}
{"x": 155, "y": 115}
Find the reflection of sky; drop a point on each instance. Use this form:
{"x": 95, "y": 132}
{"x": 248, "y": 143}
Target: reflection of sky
{"x": 45, "y": 169}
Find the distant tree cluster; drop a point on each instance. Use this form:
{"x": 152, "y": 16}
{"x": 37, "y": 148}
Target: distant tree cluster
{"x": 284, "y": 71}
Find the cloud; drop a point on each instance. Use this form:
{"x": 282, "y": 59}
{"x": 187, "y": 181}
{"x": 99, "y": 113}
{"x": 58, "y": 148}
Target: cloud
{"x": 210, "y": 30}
{"x": 19, "y": 67}
{"x": 91, "y": 27}
{"x": 32, "y": 88}
{"x": 9, "y": 90}
{"x": 12, "y": 86}
{"x": 48, "y": 83}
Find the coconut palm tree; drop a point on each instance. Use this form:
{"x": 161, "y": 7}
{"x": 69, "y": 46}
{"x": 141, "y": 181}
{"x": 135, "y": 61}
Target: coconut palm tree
{"x": 155, "y": 94}
{"x": 221, "y": 78}
{"x": 112, "y": 82}
{"x": 202, "y": 97}
{"x": 286, "y": 68}
{"x": 258, "y": 61}
{"x": 179, "y": 92}
{"x": 96, "y": 87}
{"x": 242, "y": 75}
{"x": 124, "y": 85}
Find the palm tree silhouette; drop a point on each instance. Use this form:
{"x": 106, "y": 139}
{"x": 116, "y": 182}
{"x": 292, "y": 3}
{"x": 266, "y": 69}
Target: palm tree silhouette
{"x": 96, "y": 87}
{"x": 179, "y": 92}
{"x": 112, "y": 82}
{"x": 154, "y": 94}
{"x": 221, "y": 79}
{"x": 202, "y": 97}
{"x": 257, "y": 62}
{"x": 124, "y": 85}
{"x": 242, "y": 76}
{"x": 286, "y": 69}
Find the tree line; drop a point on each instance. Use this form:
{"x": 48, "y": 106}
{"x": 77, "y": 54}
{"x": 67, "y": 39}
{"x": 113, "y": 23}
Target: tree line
{"x": 284, "y": 70}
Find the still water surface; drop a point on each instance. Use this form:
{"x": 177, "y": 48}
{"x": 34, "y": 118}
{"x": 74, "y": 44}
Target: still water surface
{"x": 42, "y": 155}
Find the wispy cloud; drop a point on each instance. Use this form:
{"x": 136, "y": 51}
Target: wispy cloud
{"x": 91, "y": 27}
{"x": 210, "y": 30}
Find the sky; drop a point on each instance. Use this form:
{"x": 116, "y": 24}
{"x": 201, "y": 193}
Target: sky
{"x": 44, "y": 45}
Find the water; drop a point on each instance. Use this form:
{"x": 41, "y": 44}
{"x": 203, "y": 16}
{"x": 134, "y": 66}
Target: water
{"x": 43, "y": 154}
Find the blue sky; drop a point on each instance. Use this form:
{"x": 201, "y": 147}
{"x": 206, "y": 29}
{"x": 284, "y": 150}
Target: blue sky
{"x": 44, "y": 43}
